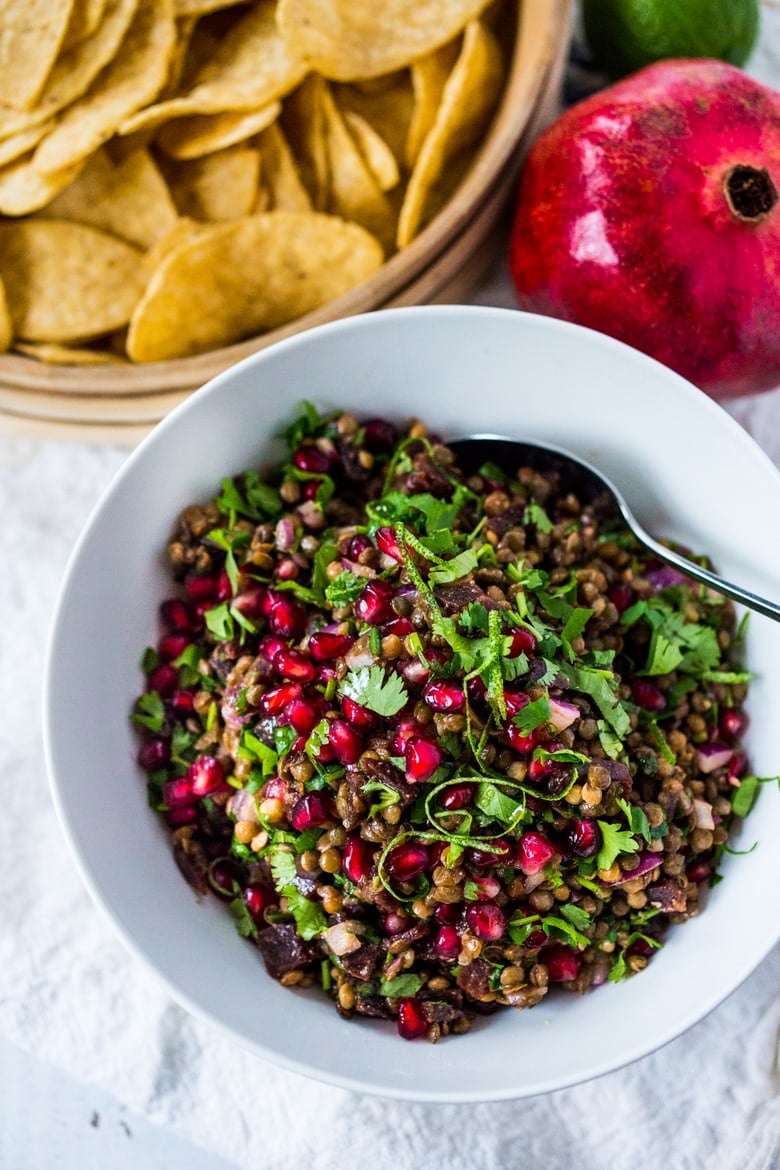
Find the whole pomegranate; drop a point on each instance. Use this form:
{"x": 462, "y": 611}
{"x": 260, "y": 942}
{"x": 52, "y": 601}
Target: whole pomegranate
{"x": 650, "y": 212}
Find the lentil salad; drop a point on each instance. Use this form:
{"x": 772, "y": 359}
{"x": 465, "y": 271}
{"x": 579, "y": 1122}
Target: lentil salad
{"x": 439, "y": 740}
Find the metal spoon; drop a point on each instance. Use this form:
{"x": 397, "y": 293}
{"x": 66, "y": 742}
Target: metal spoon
{"x": 589, "y": 483}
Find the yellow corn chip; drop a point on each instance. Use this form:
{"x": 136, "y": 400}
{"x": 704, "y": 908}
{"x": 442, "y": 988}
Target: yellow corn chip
{"x": 64, "y": 355}
{"x": 24, "y": 189}
{"x": 203, "y": 134}
{"x": 303, "y": 122}
{"x": 219, "y": 187}
{"x": 200, "y": 7}
{"x": 283, "y": 188}
{"x": 377, "y": 155}
{"x": 31, "y": 35}
{"x": 429, "y": 76}
{"x": 252, "y": 66}
{"x": 66, "y": 282}
{"x": 388, "y": 112}
{"x": 134, "y": 77}
{"x": 23, "y": 142}
{"x": 74, "y": 71}
{"x": 347, "y": 39}
{"x": 6, "y": 326}
{"x": 181, "y": 232}
{"x": 469, "y": 96}
{"x": 128, "y": 198}
{"x": 237, "y": 279}
{"x": 354, "y": 192}
{"x": 85, "y": 17}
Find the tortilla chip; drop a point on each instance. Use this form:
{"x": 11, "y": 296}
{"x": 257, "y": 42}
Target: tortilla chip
{"x": 377, "y": 155}
{"x": 217, "y": 188}
{"x": 31, "y": 35}
{"x": 74, "y": 71}
{"x": 354, "y": 192}
{"x": 388, "y": 112}
{"x": 237, "y": 279}
{"x": 64, "y": 355}
{"x": 128, "y": 198}
{"x": 429, "y": 76}
{"x": 251, "y": 67}
{"x": 134, "y": 77}
{"x": 85, "y": 17}
{"x": 24, "y": 189}
{"x": 67, "y": 282}
{"x": 23, "y": 142}
{"x": 303, "y": 122}
{"x": 283, "y": 188}
{"x": 200, "y": 7}
{"x": 348, "y": 39}
{"x": 203, "y": 134}
{"x": 6, "y": 326}
{"x": 469, "y": 96}
{"x": 183, "y": 231}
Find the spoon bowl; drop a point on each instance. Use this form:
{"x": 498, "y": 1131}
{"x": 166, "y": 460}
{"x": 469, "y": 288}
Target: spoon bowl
{"x": 591, "y": 484}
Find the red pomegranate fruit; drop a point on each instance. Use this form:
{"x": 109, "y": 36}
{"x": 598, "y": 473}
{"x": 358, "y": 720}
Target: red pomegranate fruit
{"x": 650, "y": 212}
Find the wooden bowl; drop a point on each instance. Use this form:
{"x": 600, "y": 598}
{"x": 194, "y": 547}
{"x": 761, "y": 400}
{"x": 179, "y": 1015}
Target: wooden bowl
{"x": 118, "y": 402}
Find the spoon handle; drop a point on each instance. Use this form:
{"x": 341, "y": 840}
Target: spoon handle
{"x": 762, "y": 605}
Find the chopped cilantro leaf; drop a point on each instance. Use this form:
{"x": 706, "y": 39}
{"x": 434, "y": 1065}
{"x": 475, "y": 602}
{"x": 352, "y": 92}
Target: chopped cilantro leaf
{"x": 596, "y": 684}
{"x": 536, "y": 515}
{"x": 149, "y": 712}
{"x": 636, "y": 818}
{"x": 574, "y": 625}
{"x": 457, "y": 567}
{"x": 745, "y": 796}
{"x": 372, "y": 687}
{"x": 402, "y": 986}
{"x": 344, "y": 589}
{"x": 614, "y": 842}
{"x": 498, "y": 805}
{"x": 555, "y": 926}
{"x": 150, "y": 660}
{"x": 535, "y": 715}
{"x": 575, "y": 915}
{"x": 324, "y": 556}
{"x": 245, "y": 924}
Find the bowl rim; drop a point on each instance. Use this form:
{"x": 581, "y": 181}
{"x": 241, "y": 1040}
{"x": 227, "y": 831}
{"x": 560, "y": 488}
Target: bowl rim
{"x": 540, "y": 43}
{"x": 256, "y": 360}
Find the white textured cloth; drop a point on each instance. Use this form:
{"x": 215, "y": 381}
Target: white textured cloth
{"x": 71, "y": 993}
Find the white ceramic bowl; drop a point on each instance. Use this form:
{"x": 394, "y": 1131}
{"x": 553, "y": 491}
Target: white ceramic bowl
{"x": 690, "y": 471}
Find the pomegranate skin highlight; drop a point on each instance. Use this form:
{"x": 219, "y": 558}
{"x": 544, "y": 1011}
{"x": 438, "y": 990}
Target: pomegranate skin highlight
{"x": 650, "y": 212}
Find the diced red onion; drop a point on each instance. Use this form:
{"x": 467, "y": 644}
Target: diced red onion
{"x": 664, "y": 577}
{"x": 702, "y": 814}
{"x": 284, "y": 533}
{"x": 647, "y": 861}
{"x": 533, "y": 880}
{"x": 562, "y": 714}
{"x": 342, "y": 939}
{"x": 311, "y": 514}
{"x": 356, "y": 569}
{"x": 712, "y": 756}
{"x": 243, "y": 806}
{"x": 359, "y": 655}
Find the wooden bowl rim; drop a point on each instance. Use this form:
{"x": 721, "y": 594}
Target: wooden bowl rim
{"x": 541, "y": 26}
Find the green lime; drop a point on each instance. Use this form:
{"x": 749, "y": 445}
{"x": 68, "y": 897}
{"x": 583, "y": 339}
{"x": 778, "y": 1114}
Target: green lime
{"x": 625, "y": 35}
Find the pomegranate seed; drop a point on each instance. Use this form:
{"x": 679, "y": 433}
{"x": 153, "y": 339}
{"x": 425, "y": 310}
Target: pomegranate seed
{"x": 562, "y": 963}
{"x": 274, "y": 702}
{"x": 223, "y": 878}
{"x": 621, "y": 596}
{"x": 491, "y": 853}
{"x": 477, "y": 688}
{"x": 486, "y": 920}
{"x": 276, "y": 788}
{"x": 324, "y": 645}
{"x": 387, "y": 543}
{"x": 488, "y": 887}
{"x": 259, "y": 898}
{"x": 251, "y": 603}
{"x": 288, "y": 570}
{"x": 422, "y": 759}
{"x": 400, "y": 626}
{"x": 446, "y": 912}
{"x": 456, "y": 796}
{"x": 379, "y": 435}
{"x": 513, "y": 737}
{"x": 737, "y": 766}
{"x": 535, "y": 940}
{"x": 172, "y": 645}
{"x": 407, "y": 861}
{"x": 448, "y": 943}
{"x": 302, "y": 715}
{"x": 183, "y": 703}
{"x": 641, "y": 947}
{"x": 310, "y": 489}
{"x": 358, "y": 545}
{"x": 176, "y": 817}
{"x": 311, "y": 811}
{"x": 163, "y": 679}
{"x": 347, "y": 744}
{"x": 396, "y": 923}
{"x": 205, "y": 775}
{"x": 270, "y": 645}
{"x": 154, "y": 755}
{"x": 311, "y": 459}
{"x": 374, "y": 603}
{"x": 295, "y": 665}
{"x": 357, "y": 858}
{"x": 647, "y": 695}
{"x": 403, "y": 733}
{"x": 731, "y": 722}
{"x": 699, "y": 871}
{"x": 583, "y": 838}
{"x": 523, "y": 642}
{"x": 178, "y": 616}
{"x": 443, "y": 695}
{"x": 411, "y": 1022}
{"x": 224, "y": 588}
{"x": 538, "y": 769}
{"x": 287, "y": 617}
{"x": 358, "y": 716}
{"x": 200, "y": 588}
{"x": 515, "y": 701}
{"x": 534, "y": 851}
{"x": 178, "y": 792}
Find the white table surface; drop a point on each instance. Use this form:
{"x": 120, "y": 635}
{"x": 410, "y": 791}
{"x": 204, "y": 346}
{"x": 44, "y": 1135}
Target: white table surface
{"x": 48, "y": 1119}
